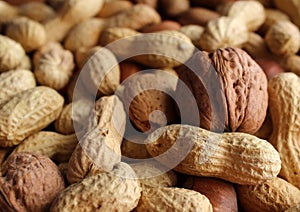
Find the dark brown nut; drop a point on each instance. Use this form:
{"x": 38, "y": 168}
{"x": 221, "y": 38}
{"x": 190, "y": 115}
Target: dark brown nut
{"x": 242, "y": 90}
{"x": 114, "y": 7}
{"x": 150, "y": 108}
{"x": 164, "y": 25}
{"x": 151, "y": 3}
{"x": 210, "y": 3}
{"x": 270, "y": 67}
{"x": 29, "y": 182}
{"x": 173, "y": 8}
{"x": 220, "y": 193}
{"x": 197, "y": 15}
{"x": 128, "y": 69}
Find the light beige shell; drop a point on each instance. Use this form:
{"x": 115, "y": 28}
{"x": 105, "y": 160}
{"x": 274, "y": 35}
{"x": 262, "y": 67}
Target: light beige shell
{"x": 291, "y": 64}
{"x": 223, "y": 32}
{"x": 193, "y": 32}
{"x": 51, "y": 144}
{"x": 136, "y": 17}
{"x": 252, "y": 13}
{"x": 27, "y": 113}
{"x": 11, "y": 54}
{"x": 102, "y": 72}
{"x": 173, "y": 199}
{"x": 115, "y": 33}
{"x": 114, "y": 7}
{"x": 53, "y": 66}
{"x": 36, "y": 11}
{"x": 100, "y": 148}
{"x": 85, "y": 34}
{"x": 153, "y": 175}
{"x": 7, "y": 12}
{"x": 13, "y": 82}
{"x": 115, "y": 191}
{"x": 25, "y": 63}
{"x": 236, "y": 157}
{"x": 283, "y": 38}
{"x": 284, "y": 101}
{"x": 30, "y": 34}
{"x": 272, "y": 195}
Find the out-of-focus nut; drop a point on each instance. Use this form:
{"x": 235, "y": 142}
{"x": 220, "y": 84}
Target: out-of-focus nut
{"x": 291, "y": 64}
{"x": 151, "y": 3}
{"x": 193, "y": 32}
{"x": 30, "y": 34}
{"x": 291, "y": 8}
{"x": 173, "y": 8}
{"x": 210, "y": 3}
{"x": 7, "y": 12}
{"x": 164, "y": 25}
{"x": 283, "y": 38}
{"x": 197, "y": 15}
{"x": 128, "y": 69}
{"x": 29, "y": 182}
{"x": 134, "y": 148}
{"x": 270, "y": 67}
{"x": 223, "y": 32}
{"x": 272, "y": 16}
{"x": 113, "y": 8}
{"x": 266, "y": 128}
{"x": 36, "y": 11}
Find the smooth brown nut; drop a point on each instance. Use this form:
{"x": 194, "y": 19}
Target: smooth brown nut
{"x": 164, "y": 25}
{"x": 40, "y": 105}
{"x": 150, "y": 108}
{"x": 215, "y": 155}
{"x": 252, "y": 13}
{"x": 272, "y": 16}
{"x": 11, "y": 54}
{"x": 175, "y": 199}
{"x": 134, "y": 148}
{"x": 220, "y": 193}
{"x": 198, "y": 16}
{"x": 223, "y": 32}
{"x": 272, "y": 195}
{"x": 115, "y": 191}
{"x": 30, "y": 34}
{"x": 193, "y": 32}
{"x": 291, "y": 64}
{"x": 36, "y": 11}
{"x": 173, "y": 8}
{"x": 128, "y": 69}
{"x": 53, "y": 66}
{"x": 29, "y": 182}
{"x": 113, "y": 8}
{"x": 51, "y": 144}
{"x": 270, "y": 67}
{"x": 84, "y": 35}
{"x": 291, "y": 8}
{"x": 284, "y": 98}
{"x": 13, "y": 82}
{"x": 283, "y": 38}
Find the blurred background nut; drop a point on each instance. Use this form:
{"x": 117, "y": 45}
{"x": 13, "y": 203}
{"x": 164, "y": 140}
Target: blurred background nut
{"x": 36, "y": 11}
{"x": 29, "y": 182}
{"x": 30, "y": 34}
{"x": 164, "y": 25}
{"x": 151, "y": 3}
{"x": 270, "y": 67}
{"x": 193, "y": 32}
{"x": 134, "y": 148}
{"x": 283, "y": 38}
{"x": 272, "y": 16}
{"x": 291, "y": 8}
{"x": 197, "y": 15}
{"x": 173, "y": 8}
{"x": 20, "y": 2}
{"x": 210, "y": 3}
{"x": 7, "y": 12}
{"x": 55, "y": 4}
{"x": 252, "y": 13}
{"x": 128, "y": 69}
{"x": 53, "y": 66}
{"x": 291, "y": 64}
{"x": 223, "y": 32}
{"x": 114, "y": 7}
{"x": 11, "y": 54}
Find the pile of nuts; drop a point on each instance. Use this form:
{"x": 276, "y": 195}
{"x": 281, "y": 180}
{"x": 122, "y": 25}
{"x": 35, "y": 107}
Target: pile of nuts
{"x": 150, "y": 105}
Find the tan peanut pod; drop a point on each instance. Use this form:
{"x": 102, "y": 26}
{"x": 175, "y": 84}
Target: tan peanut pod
{"x": 291, "y": 63}
{"x": 11, "y": 54}
{"x": 223, "y": 32}
{"x": 193, "y": 32}
{"x": 85, "y": 34}
{"x": 252, "y": 13}
{"x": 173, "y": 199}
{"x": 283, "y": 38}
{"x": 150, "y": 175}
{"x": 25, "y": 63}
{"x": 291, "y": 8}
{"x": 256, "y": 46}
{"x": 115, "y": 33}
{"x": 114, "y": 191}
{"x": 30, "y": 34}
{"x": 71, "y": 13}
{"x": 13, "y": 82}
{"x": 77, "y": 112}
{"x": 173, "y": 8}
{"x": 136, "y": 17}
{"x": 215, "y": 155}
{"x": 284, "y": 100}
{"x": 100, "y": 148}
{"x": 197, "y": 16}
{"x": 53, "y": 66}
{"x": 133, "y": 150}
{"x": 272, "y": 195}
{"x": 27, "y": 113}
{"x": 272, "y": 16}
{"x": 102, "y": 72}
{"x": 36, "y": 11}
{"x": 56, "y": 146}
{"x": 295, "y": 208}
{"x": 113, "y": 8}
{"x": 7, "y": 12}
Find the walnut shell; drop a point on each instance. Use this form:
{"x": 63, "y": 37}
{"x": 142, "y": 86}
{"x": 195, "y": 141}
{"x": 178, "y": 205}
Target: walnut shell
{"x": 30, "y": 34}
{"x": 29, "y": 182}
{"x": 223, "y": 32}
{"x": 11, "y": 54}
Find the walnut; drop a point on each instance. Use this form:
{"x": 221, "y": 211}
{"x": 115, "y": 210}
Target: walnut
{"x": 29, "y": 182}
{"x": 237, "y": 97}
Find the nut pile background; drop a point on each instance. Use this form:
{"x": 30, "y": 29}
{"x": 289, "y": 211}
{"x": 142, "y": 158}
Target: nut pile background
{"x": 59, "y": 152}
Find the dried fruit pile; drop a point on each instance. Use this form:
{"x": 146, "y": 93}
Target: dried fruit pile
{"x": 150, "y": 105}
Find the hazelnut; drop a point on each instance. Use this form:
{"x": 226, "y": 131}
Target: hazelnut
{"x": 29, "y": 182}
